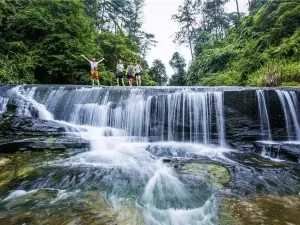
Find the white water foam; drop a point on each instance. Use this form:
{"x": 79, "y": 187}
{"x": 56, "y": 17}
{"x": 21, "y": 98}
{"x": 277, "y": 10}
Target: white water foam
{"x": 27, "y": 101}
{"x": 18, "y": 194}
{"x": 264, "y": 116}
{"x": 291, "y": 114}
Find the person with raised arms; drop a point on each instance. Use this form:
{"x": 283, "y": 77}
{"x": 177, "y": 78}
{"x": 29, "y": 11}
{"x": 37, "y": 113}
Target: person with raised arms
{"x": 94, "y": 68}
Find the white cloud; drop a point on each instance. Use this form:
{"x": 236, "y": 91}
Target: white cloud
{"x": 157, "y": 18}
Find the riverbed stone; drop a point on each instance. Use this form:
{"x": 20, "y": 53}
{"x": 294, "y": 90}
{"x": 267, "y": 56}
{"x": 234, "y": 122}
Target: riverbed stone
{"x": 75, "y": 208}
{"x": 262, "y": 210}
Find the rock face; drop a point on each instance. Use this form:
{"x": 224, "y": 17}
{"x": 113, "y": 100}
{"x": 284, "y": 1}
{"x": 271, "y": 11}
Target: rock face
{"x": 32, "y": 134}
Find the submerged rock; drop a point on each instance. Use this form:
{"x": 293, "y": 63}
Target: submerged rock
{"x": 212, "y": 174}
{"x": 46, "y": 206}
{"x": 262, "y": 210}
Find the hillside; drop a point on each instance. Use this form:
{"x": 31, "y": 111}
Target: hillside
{"x": 263, "y": 50}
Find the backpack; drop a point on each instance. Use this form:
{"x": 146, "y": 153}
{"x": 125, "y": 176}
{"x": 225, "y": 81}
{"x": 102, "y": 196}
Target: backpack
{"x": 130, "y": 70}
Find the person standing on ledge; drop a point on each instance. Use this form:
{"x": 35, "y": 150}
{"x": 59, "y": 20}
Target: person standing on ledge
{"x": 120, "y": 71}
{"x": 138, "y": 72}
{"x": 94, "y": 69}
{"x": 130, "y": 72}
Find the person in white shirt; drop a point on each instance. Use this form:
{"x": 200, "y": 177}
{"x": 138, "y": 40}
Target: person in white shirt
{"x": 138, "y": 72}
{"x": 120, "y": 71}
{"x": 94, "y": 69}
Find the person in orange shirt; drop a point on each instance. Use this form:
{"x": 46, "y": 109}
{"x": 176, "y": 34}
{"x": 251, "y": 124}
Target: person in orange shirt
{"x": 94, "y": 69}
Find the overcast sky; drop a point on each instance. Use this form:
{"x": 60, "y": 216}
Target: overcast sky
{"x": 157, "y": 20}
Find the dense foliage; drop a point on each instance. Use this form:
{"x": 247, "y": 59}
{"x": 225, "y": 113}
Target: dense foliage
{"x": 41, "y": 41}
{"x": 178, "y": 64}
{"x": 158, "y": 72}
{"x": 261, "y": 49}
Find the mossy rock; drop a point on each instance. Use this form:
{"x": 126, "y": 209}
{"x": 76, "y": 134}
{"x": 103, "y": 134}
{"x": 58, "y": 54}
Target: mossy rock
{"x": 212, "y": 174}
{"x": 51, "y": 139}
{"x": 3, "y": 161}
{"x": 265, "y": 209}
{"x": 128, "y": 214}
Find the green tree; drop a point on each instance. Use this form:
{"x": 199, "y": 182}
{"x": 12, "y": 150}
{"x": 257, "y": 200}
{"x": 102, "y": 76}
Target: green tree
{"x": 178, "y": 64}
{"x": 158, "y": 72}
{"x": 41, "y": 41}
{"x": 261, "y": 50}
{"x": 187, "y": 19}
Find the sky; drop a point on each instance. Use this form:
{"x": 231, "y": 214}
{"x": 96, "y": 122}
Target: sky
{"x": 157, "y": 20}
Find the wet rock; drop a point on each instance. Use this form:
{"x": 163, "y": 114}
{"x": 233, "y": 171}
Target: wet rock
{"x": 32, "y": 127}
{"x": 43, "y": 144}
{"x": 18, "y": 167}
{"x": 253, "y": 174}
{"x": 212, "y": 174}
{"x": 280, "y": 150}
{"x": 265, "y": 209}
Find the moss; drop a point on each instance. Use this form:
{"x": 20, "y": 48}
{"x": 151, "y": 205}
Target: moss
{"x": 51, "y": 139}
{"x": 266, "y": 163}
{"x": 266, "y": 209}
{"x": 213, "y": 174}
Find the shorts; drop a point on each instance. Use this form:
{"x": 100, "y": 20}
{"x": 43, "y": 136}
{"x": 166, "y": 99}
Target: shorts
{"x": 138, "y": 74}
{"x": 119, "y": 75}
{"x": 95, "y": 74}
{"x": 129, "y": 76}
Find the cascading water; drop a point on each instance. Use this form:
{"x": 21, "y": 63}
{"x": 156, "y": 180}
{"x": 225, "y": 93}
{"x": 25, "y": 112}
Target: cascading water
{"x": 264, "y": 117}
{"x": 149, "y": 149}
{"x": 3, "y": 104}
{"x": 289, "y": 105}
{"x": 181, "y": 116}
{"x": 118, "y": 131}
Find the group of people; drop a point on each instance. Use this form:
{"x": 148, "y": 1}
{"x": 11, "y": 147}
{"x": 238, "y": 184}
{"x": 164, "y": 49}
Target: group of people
{"x": 133, "y": 72}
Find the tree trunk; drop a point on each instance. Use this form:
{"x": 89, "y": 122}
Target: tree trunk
{"x": 238, "y": 9}
{"x": 102, "y": 16}
{"x": 190, "y": 43}
{"x": 249, "y": 3}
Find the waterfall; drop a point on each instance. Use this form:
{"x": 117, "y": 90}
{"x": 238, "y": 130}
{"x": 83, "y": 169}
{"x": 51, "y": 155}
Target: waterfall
{"x": 289, "y": 105}
{"x": 3, "y": 104}
{"x": 263, "y": 114}
{"x": 219, "y": 101}
{"x": 185, "y": 116}
{"x": 195, "y": 110}
{"x": 133, "y": 133}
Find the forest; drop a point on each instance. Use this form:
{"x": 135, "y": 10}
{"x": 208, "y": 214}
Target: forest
{"x": 230, "y": 49}
{"x": 41, "y": 41}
